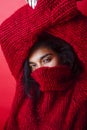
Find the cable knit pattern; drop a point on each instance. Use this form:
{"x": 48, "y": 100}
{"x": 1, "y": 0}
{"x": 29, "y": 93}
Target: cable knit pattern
{"x": 53, "y": 109}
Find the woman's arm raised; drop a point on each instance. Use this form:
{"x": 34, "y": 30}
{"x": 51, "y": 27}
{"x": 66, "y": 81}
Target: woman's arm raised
{"x": 19, "y": 31}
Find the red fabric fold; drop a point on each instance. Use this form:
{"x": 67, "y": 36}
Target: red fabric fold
{"x": 53, "y": 78}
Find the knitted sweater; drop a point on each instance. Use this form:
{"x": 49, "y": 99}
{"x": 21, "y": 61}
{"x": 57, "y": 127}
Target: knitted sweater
{"x": 60, "y": 105}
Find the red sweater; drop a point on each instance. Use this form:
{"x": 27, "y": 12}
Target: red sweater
{"x": 60, "y": 105}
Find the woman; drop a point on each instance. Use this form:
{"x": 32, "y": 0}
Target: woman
{"x": 47, "y": 97}
{"x": 50, "y": 51}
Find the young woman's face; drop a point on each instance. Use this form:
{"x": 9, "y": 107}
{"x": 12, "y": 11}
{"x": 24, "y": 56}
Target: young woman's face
{"x": 43, "y": 57}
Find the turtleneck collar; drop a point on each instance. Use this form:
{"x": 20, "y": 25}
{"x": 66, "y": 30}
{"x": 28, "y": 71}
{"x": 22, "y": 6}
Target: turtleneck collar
{"x": 53, "y": 78}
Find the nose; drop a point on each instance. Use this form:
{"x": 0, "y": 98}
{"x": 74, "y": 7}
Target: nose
{"x": 39, "y": 65}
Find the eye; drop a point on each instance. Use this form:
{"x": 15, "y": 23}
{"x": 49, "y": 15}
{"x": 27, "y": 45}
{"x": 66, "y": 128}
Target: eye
{"x": 32, "y": 67}
{"x": 46, "y": 59}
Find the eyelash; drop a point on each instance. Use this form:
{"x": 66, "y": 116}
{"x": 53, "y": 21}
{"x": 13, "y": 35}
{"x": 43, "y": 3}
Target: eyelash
{"x": 32, "y": 66}
{"x": 46, "y": 60}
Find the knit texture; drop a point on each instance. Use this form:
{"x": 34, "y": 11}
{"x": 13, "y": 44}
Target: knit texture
{"x": 25, "y": 25}
{"x": 53, "y": 109}
{"x": 60, "y": 78}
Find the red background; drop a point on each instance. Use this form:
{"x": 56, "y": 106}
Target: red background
{"x": 7, "y": 82}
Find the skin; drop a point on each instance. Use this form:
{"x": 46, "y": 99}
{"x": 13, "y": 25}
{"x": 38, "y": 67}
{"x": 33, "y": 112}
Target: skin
{"x": 43, "y": 57}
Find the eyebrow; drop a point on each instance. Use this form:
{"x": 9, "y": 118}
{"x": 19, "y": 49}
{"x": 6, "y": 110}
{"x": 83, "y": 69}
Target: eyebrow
{"x": 42, "y": 57}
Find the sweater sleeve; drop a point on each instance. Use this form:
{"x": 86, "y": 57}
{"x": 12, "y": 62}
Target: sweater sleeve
{"x": 19, "y": 31}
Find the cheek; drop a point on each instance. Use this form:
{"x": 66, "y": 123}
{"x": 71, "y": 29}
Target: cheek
{"x": 55, "y": 63}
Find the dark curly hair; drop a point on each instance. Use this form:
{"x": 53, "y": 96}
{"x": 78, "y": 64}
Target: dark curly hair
{"x": 66, "y": 55}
